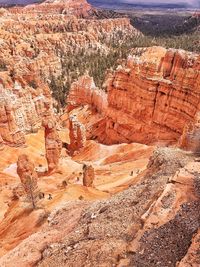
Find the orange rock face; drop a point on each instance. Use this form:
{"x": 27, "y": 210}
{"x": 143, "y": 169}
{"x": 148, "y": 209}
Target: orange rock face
{"x": 156, "y": 219}
{"x": 53, "y": 144}
{"x": 9, "y": 131}
{"x": 21, "y": 108}
{"x": 76, "y": 135}
{"x": 26, "y": 169}
{"x": 1, "y": 142}
{"x": 88, "y": 176}
{"x": 84, "y": 92}
{"x": 150, "y": 100}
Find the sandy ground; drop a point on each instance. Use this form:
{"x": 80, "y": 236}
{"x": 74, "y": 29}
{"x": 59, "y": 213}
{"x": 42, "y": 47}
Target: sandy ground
{"x": 116, "y": 167}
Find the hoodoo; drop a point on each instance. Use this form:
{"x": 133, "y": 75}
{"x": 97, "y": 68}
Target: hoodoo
{"x": 88, "y": 176}
{"x": 76, "y": 135}
{"x": 53, "y": 144}
{"x": 25, "y": 169}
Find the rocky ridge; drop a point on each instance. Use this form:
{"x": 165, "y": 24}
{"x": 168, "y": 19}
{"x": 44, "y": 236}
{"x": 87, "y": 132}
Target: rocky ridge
{"x": 153, "y": 98}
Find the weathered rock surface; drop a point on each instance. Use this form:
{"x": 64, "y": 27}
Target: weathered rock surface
{"x": 26, "y": 171}
{"x": 192, "y": 258}
{"x": 76, "y": 134}
{"x": 53, "y": 144}
{"x": 1, "y": 142}
{"x": 21, "y": 109}
{"x": 34, "y": 40}
{"x": 88, "y": 176}
{"x": 153, "y": 99}
{"x": 112, "y": 164}
{"x": 152, "y": 223}
{"x": 9, "y": 131}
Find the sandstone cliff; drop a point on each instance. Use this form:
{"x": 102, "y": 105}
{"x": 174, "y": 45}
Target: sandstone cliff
{"x": 21, "y": 108}
{"x": 152, "y": 99}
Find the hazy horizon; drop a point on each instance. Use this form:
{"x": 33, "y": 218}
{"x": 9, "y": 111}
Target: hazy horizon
{"x": 186, "y": 3}
{"x": 189, "y": 3}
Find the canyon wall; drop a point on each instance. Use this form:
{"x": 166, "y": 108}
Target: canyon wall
{"x": 85, "y": 92}
{"x": 21, "y": 108}
{"x": 154, "y": 98}
{"x": 34, "y": 40}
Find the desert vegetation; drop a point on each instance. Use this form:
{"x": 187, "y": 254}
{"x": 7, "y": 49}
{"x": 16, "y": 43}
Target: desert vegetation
{"x": 165, "y": 24}
{"x": 96, "y": 63}
{"x": 30, "y": 186}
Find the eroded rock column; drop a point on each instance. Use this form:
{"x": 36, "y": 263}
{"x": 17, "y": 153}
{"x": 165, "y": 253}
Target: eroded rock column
{"x": 88, "y": 175}
{"x": 77, "y": 134}
{"x": 53, "y": 144}
{"x": 1, "y": 143}
{"x": 25, "y": 169}
{"x": 28, "y": 177}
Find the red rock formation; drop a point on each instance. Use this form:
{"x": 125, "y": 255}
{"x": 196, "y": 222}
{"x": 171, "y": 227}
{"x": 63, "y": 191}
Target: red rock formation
{"x": 53, "y": 144}
{"x": 47, "y": 31}
{"x": 9, "y": 131}
{"x": 84, "y": 92}
{"x": 76, "y": 134}
{"x": 69, "y": 7}
{"x": 24, "y": 112}
{"x": 190, "y": 139}
{"x": 1, "y": 142}
{"x": 25, "y": 169}
{"x": 88, "y": 176}
{"x": 150, "y": 100}
{"x": 156, "y": 220}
